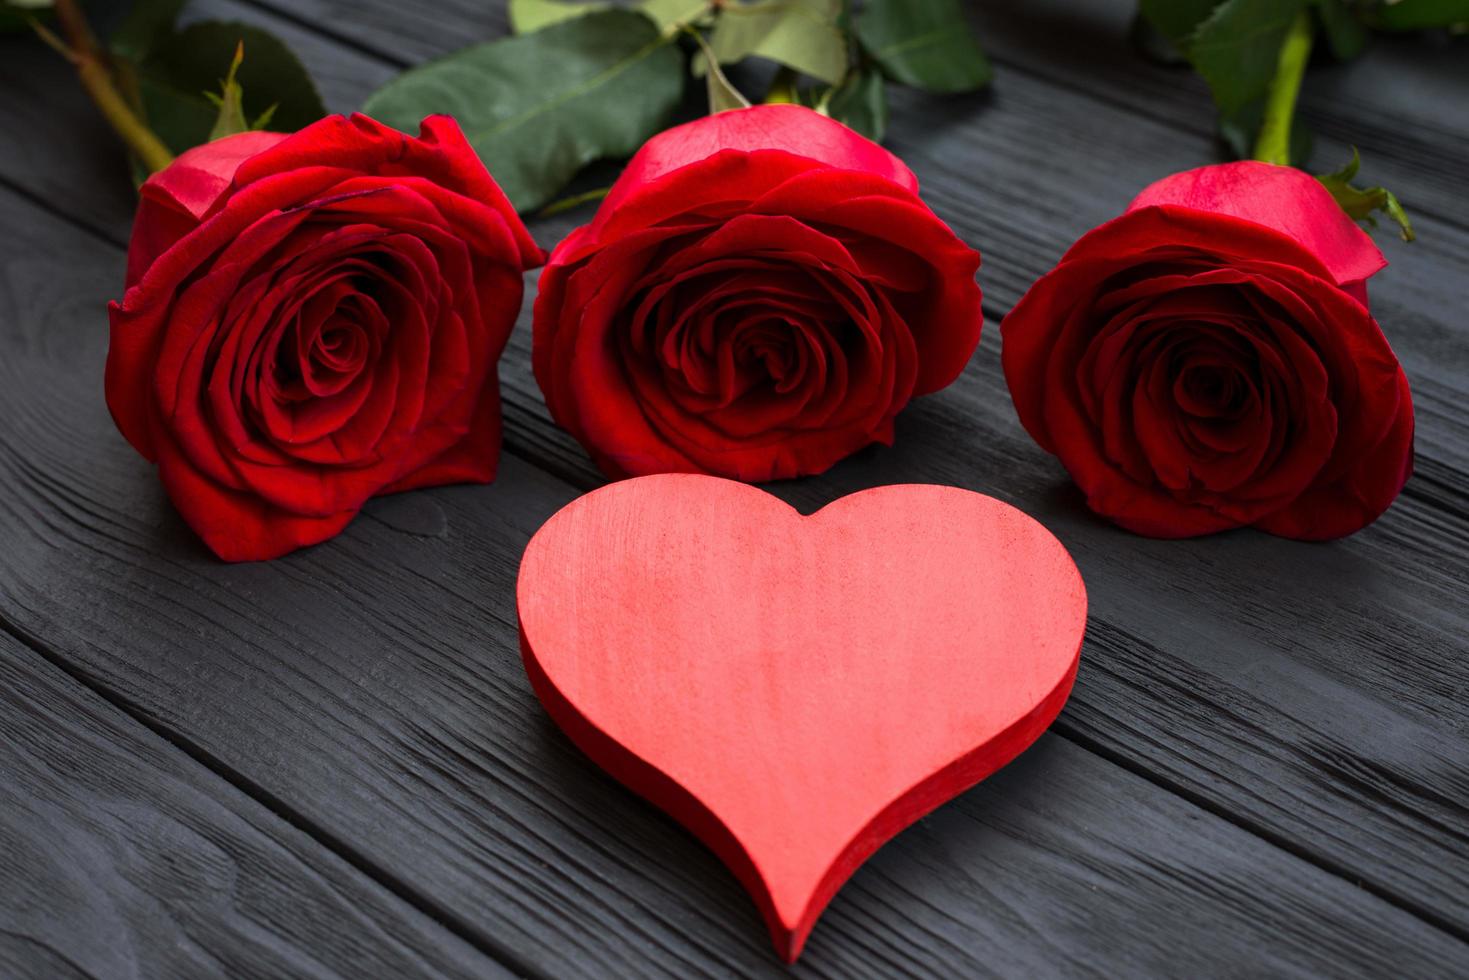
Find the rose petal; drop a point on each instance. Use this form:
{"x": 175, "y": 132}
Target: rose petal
{"x": 1284, "y": 199}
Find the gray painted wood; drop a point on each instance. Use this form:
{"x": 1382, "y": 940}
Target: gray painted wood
{"x": 372, "y": 688}
{"x": 1259, "y": 726}
{"x": 1403, "y": 105}
{"x": 1223, "y": 632}
{"x": 121, "y": 856}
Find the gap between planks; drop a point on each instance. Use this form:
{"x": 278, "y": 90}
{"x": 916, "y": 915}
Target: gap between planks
{"x": 1020, "y": 66}
{"x": 1098, "y": 96}
{"x": 581, "y": 482}
{"x": 279, "y": 808}
{"x": 521, "y": 453}
{"x": 1075, "y": 735}
{"x": 342, "y": 849}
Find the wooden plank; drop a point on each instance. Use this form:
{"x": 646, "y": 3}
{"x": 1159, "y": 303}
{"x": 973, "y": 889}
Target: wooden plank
{"x": 1347, "y": 661}
{"x": 69, "y": 159}
{"x": 1301, "y": 758}
{"x": 373, "y": 686}
{"x": 78, "y": 171}
{"x": 1402, "y": 103}
{"x": 1317, "y": 691}
{"x": 1385, "y": 650}
{"x": 120, "y": 856}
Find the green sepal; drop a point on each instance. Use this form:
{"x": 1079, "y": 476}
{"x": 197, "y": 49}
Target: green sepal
{"x": 231, "y": 102}
{"x": 1362, "y": 203}
{"x": 179, "y": 85}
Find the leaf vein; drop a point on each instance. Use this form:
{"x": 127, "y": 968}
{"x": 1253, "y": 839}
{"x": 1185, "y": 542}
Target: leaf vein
{"x": 597, "y": 80}
{"x": 916, "y": 41}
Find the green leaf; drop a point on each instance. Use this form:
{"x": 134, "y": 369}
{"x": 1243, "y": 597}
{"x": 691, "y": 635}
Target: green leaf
{"x": 801, "y": 34}
{"x": 616, "y": 80}
{"x": 149, "y": 23}
{"x": 1153, "y": 44}
{"x": 923, "y": 43}
{"x": 1237, "y": 48}
{"x": 1417, "y": 15}
{"x": 532, "y": 15}
{"x": 1362, "y": 202}
{"x": 722, "y": 95}
{"x": 1345, "y": 34}
{"x": 176, "y": 82}
{"x": 1176, "y": 19}
{"x": 861, "y": 102}
{"x": 668, "y": 13}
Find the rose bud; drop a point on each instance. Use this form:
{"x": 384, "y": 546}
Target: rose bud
{"x": 314, "y": 319}
{"x": 760, "y": 293}
{"x": 1208, "y": 361}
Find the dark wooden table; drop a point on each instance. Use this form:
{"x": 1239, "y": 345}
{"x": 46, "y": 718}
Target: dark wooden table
{"x": 332, "y": 764}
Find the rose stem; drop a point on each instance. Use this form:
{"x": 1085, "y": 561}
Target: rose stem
{"x": 782, "y": 88}
{"x": 82, "y": 49}
{"x": 1273, "y": 144}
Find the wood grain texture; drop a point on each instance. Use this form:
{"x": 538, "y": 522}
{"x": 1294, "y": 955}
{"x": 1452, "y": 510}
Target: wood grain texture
{"x": 1402, "y": 105}
{"x": 70, "y": 158}
{"x": 1346, "y": 660}
{"x": 120, "y": 856}
{"x": 1313, "y": 696}
{"x": 796, "y": 689}
{"x": 372, "y": 687}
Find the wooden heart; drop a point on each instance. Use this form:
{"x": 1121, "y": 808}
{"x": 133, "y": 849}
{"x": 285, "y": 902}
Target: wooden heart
{"x": 795, "y": 690}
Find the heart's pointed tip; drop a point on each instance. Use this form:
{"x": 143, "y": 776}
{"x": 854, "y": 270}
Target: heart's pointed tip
{"x": 789, "y": 941}
{"x": 789, "y": 949}
{"x": 789, "y": 930}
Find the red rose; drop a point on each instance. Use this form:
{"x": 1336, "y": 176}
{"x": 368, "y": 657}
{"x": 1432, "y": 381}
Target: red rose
{"x": 314, "y": 319}
{"x": 759, "y": 295}
{"x": 1207, "y": 361}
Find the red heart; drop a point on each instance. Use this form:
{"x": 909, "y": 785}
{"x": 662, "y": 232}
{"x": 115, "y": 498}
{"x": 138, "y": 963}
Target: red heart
{"x": 796, "y": 690}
